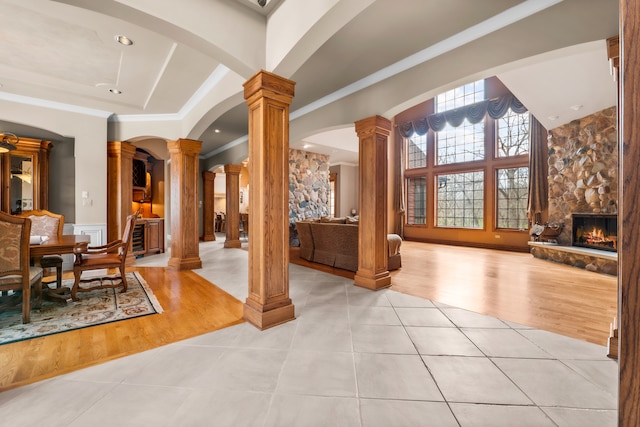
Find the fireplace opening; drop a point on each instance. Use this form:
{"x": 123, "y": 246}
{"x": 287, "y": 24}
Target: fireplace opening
{"x": 595, "y": 231}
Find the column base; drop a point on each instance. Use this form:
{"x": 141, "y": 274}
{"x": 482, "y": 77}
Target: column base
{"x": 184, "y": 263}
{"x": 267, "y": 319}
{"x": 209, "y": 238}
{"x": 232, "y": 244}
{"x": 378, "y": 281}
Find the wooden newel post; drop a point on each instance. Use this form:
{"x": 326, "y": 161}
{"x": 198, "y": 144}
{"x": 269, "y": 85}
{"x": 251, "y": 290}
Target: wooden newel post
{"x": 232, "y": 227}
{"x": 268, "y": 97}
{"x": 208, "y": 214}
{"x": 373, "y": 263}
{"x": 185, "y": 253}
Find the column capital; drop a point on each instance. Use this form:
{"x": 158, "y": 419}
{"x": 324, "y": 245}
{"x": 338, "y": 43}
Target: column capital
{"x": 232, "y": 169}
{"x": 377, "y": 124}
{"x": 264, "y": 84}
{"x": 186, "y": 146}
{"x": 208, "y": 176}
{"x": 119, "y": 148}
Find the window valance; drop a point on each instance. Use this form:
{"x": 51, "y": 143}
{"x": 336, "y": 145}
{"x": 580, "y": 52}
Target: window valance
{"x": 495, "y": 108}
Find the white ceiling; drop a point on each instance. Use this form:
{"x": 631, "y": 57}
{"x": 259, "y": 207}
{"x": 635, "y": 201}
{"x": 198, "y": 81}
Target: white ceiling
{"x": 384, "y": 57}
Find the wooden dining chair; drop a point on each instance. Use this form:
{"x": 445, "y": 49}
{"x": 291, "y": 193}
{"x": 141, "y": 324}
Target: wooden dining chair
{"x": 49, "y": 224}
{"x": 109, "y": 256}
{"x": 16, "y": 273}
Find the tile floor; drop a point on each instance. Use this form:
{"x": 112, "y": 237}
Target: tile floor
{"x": 351, "y": 358}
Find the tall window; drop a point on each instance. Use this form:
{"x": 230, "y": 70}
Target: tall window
{"x": 512, "y": 183}
{"x": 461, "y": 200}
{"x": 416, "y": 201}
{"x": 513, "y": 190}
{"x": 459, "y": 97}
{"x": 464, "y": 143}
{"x": 513, "y": 134}
{"x": 478, "y": 177}
{"x": 417, "y": 151}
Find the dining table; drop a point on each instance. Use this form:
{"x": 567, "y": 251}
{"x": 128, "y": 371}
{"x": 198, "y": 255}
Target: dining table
{"x": 65, "y": 244}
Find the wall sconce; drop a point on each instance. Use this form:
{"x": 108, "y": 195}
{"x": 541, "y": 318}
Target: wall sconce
{"x": 8, "y": 142}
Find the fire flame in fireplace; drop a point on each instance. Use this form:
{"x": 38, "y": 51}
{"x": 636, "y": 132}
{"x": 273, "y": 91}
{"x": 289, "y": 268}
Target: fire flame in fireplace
{"x": 596, "y": 237}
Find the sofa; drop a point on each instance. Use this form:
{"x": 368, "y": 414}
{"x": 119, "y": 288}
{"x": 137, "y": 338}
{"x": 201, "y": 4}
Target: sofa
{"x": 334, "y": 242}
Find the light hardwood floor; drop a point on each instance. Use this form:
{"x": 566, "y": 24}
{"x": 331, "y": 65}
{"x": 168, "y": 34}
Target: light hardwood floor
{"x": 512, "y": 286}
{"x": 180, "y": 294}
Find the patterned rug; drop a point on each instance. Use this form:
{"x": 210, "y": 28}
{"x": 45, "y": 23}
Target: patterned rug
{"x": 94, "y": 308}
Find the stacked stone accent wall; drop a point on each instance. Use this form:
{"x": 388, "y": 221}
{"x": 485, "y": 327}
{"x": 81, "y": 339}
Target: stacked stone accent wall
{"x": 583, "y": 169}
{"x": 308, "y": 185}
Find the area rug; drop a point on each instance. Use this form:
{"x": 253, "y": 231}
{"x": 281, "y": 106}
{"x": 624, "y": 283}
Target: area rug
{"x": 94, "y": 308}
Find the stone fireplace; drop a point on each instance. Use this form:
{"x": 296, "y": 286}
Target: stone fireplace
{"x": 595, "y": 231}
{"x": 583, "y": 184}
{"x": 583, "y": 170}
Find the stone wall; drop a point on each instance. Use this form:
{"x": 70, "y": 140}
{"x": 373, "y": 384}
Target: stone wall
{"x": 308, "y": 185}
{"x": 583, "y": 169}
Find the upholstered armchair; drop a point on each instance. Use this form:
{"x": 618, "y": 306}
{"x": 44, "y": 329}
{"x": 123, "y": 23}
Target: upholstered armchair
{"x": 49, "y": 224}
{"x": 16, "y": 273}
{"x": 109, "y": 256}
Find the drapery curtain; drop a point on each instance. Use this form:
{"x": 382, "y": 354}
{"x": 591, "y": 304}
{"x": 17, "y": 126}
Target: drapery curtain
{"x": 538, "y": 171}
{"x": 495, "y": 108}
{"x": 398, "y": 193}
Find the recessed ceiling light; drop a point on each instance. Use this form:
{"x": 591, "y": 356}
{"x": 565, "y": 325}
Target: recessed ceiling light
{"x": 576, "y": 107}
{"x": 553, "y": 117}
{"x": 216, "y": 130}
{"x": 115, "y": 91}
{"x": 306, "y": 146}
{"x": 124, "y": 40}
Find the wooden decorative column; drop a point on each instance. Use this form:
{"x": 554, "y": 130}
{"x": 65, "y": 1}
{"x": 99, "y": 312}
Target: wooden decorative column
{"x": 629, "y": 220}
{"x": 232, "y": 225}
{"x": 5, "y": 180}
{"x": 185, "y": 253}
{"x": 119, "y": 187}
{"x": 373, "y": 270}
{"x": 208, "y": 214}
{"x": 45, "y": 152}
{"x": 268, "y": 97}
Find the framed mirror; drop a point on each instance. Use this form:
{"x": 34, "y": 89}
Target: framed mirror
{"x": 23, "y": 182}
{"x": 24, "y": 176}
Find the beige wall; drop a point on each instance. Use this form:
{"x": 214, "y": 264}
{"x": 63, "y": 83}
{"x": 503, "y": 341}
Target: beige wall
{"x": 347, "y": 189}
{"x": 90, "y": 133}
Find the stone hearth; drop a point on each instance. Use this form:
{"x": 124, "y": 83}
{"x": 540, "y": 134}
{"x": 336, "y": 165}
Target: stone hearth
{"x": 594, "y": 260}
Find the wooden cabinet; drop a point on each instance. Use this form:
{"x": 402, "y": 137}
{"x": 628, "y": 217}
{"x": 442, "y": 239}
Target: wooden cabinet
{"x": 148, "y": 237}
{"x": 135, "y": 182}
{"x": 155, "y": 235}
